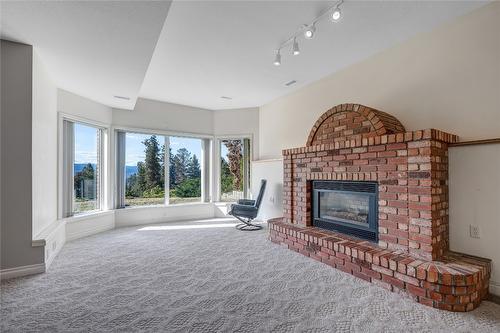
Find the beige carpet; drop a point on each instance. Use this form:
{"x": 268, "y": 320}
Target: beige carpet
{"x": 206, "y": 276}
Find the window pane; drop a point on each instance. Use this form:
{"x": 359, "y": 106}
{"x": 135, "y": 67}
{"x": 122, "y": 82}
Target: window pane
{"x": 144, "y": 170}
{"x": 185, "y": 170}
{"x": 86, "y": 169}
{"x": 232, "y": 175}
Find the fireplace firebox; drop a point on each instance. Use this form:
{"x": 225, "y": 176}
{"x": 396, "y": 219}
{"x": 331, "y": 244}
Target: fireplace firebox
{"x": 348, "y": 207}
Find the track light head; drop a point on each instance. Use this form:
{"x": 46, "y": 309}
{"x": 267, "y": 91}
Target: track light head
{"x": 295, "y": 48}
{"x": 336, "y": 14}
{"x": 309, "y": 31}
{"x": 277, "y": 59}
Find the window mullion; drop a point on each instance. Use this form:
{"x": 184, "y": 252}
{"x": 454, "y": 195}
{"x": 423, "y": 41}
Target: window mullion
{"x": 166, "y": 158}
{"x": 120, "y": 169}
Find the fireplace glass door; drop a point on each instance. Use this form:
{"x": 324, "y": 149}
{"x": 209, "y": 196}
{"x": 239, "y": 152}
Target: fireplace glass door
{"x": 346, "y": 207}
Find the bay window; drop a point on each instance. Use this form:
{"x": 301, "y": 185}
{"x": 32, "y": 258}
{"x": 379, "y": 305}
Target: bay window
{"x": 155, "y": 169}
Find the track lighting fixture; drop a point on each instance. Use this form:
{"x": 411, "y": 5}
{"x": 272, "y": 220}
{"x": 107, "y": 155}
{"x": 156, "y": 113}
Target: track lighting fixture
{"x": 336, "y": 14}
{"x": 277, "y": 59}
{"x": 308, "y": 31}
{"x": 295, "y": 49}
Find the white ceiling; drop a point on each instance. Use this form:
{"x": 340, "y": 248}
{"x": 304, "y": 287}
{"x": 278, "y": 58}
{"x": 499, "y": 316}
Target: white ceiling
{"x": 207, "y": 49}
{"x": 97, "y": 49}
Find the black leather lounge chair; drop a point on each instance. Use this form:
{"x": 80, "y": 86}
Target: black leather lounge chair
{"x": 246, "y": 210}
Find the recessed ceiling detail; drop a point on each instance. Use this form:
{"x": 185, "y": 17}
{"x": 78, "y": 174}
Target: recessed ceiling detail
{"x": 96, "y": 49}
{"x": 102, "y": 49}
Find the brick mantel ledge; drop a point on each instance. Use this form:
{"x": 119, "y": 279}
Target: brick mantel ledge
{"x": 427, "y": 134}
{"x": 457, "y": 282}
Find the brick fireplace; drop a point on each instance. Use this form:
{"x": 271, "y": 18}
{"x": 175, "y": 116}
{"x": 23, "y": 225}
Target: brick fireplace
{"x": 354, "y": 144}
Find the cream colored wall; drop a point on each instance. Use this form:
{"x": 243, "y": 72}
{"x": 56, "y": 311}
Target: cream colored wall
{"x": 272, "y": 202}
{"x": 239, "y": 121}
{"x": 448, "y": 78}
{"x": 475, "y": 200}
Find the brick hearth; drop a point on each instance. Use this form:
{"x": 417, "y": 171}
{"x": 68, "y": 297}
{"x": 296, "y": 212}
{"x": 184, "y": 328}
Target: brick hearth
{"x": 357, "y": 143}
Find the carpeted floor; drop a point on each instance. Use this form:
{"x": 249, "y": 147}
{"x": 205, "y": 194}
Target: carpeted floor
{"x": 206, "y": 276}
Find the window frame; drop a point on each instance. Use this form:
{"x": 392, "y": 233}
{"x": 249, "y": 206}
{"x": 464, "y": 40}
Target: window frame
{"x": 205, "y": 164}
{"x": 65, "y": 177}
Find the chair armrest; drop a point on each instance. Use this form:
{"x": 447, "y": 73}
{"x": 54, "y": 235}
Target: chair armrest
{"x": 246, "y": 202}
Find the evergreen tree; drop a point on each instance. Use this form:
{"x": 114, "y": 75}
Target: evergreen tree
{"x": 152, "y": 162}
{"x": 193, "y": 168}
{"x": 162, "y": 166}
{"x": 226, "y": 177}
{"x": 171, "y": 169}
{"x": 181, "y": 160}
{"x": 141, "y": 183}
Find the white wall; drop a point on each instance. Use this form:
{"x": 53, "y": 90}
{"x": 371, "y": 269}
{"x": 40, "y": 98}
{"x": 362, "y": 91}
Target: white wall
{"x": 272, "y": 171}
{"x": 448, "y": 79}
{"x": 149, "y": 215}
{"x": 44, "y": 146}
{"x": 475, "y": 200}
{"x": 238, "y": 121}
{"x": 75, "y": 105}
{"x": 86, "y": 225}
{"x": 149, "y": 114}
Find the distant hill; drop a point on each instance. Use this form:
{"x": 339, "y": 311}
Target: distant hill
{"x": 129, "y": 169}
{"x": 77, "y": 167}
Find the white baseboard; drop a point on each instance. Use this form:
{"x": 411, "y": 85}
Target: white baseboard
{"x": 129, "y": 217}
{"x": 14, "y": 272}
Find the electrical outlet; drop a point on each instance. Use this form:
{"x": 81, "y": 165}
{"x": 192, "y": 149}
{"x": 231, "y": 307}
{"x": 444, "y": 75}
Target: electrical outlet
{"x": 271, "y": 199}
{"x": 54, "y": 245}
{"x": 474, "y": 231}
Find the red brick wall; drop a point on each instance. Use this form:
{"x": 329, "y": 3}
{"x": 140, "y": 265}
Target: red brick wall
{"x": 411, "y": 169}
{"x": 352, "y": 121}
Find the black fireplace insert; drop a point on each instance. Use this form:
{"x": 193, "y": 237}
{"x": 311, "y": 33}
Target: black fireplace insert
{"x": 348, "y": 207}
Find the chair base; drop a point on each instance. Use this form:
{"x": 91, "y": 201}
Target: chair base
{"x": 248, "y": 227}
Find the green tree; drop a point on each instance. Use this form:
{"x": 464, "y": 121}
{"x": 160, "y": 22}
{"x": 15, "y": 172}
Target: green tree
{"x": 162, "y": 166}
{"x": 152, "y": 162}
{"x": 171, "y": 169}
{"x": 180, "y": 163}
{"x": 87, "y": 173}
{"x": 234, "y": 156}
{"x": 193, "y": 168}
{"x": 141, "y": 183}
{"x": 189, "y": 188}
{"x": 226, "y": 177}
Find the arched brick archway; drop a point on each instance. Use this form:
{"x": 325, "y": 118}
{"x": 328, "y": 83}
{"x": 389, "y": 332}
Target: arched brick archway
{"x": 352, "y": 122}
